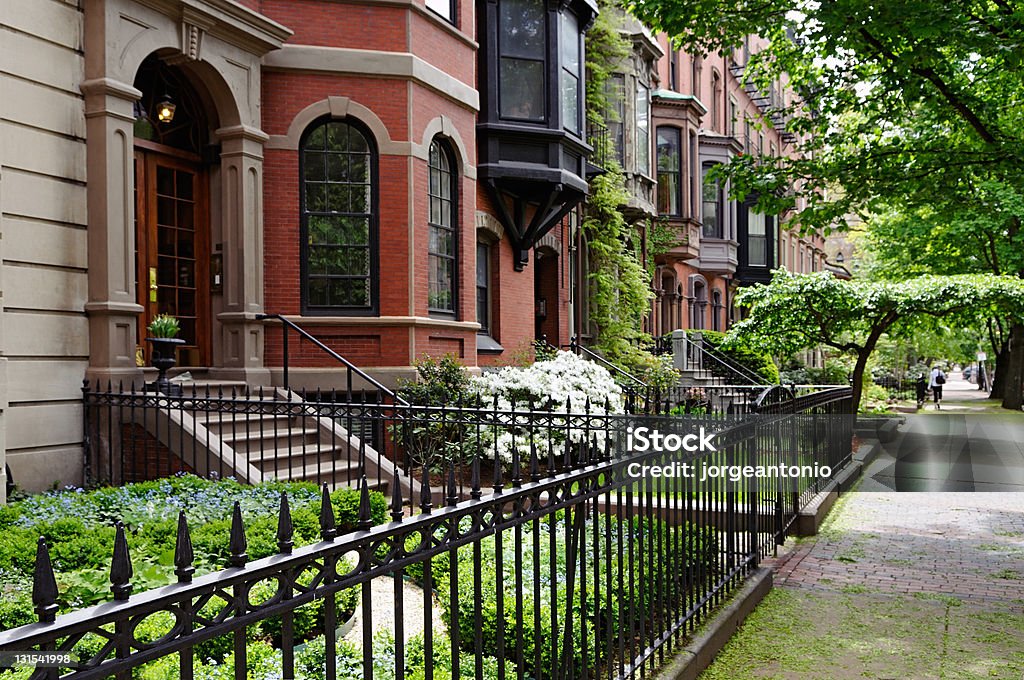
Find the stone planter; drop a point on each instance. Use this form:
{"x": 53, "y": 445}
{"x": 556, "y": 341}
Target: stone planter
{"x": 163, "y": 361}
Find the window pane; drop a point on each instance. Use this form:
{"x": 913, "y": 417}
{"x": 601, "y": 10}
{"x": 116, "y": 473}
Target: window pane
{"x": 755, "y": 223}
{"x": 522, "y": 89}
{"x": 522, "y": 28}
{"x": 441, "y": 240}
{"x": 643, "y": 133}
{"x": 483, "y": 253}
{"x": 669, "y": 171}
{"x": 570, "y": 42}
{"x": 757, "y": 247}
{"x": 712, "y": 222}
{"x": 570, "y": 102}
{"x": 313, "y": 166}
{"x": 336, "y": 177}
{"x": 337, "y": 136}
{"x": 442, "y": 7}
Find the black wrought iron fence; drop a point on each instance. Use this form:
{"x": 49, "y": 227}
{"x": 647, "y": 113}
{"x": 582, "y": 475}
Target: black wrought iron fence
{"x": 530, "y": 545}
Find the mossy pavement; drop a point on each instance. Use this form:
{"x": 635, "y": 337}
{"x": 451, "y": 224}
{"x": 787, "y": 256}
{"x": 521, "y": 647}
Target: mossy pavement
{"x": 895, "y": 586}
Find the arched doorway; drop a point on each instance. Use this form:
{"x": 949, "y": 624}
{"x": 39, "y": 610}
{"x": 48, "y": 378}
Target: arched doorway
{"x": 546, "y": 288}
{"x": 174, "y": 276}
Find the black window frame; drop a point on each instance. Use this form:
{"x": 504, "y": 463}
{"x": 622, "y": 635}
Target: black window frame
{"x": 372, "y": 308}
{"x": 563, "y": 70}
{"x": 507, "y": 50}
{"x": 445, "y": 151}
{"x": 485, "y": 289}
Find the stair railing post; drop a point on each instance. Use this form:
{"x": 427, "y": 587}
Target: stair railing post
{"x": 284, "y": 348}
{"x": 679, "y": 350}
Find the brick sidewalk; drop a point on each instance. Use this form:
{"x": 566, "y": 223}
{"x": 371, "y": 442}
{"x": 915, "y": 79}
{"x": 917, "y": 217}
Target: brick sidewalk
{"x": 966, "y": 545}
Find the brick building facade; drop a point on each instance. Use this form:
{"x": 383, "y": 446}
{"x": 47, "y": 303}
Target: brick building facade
{"x": 401, "y": 179}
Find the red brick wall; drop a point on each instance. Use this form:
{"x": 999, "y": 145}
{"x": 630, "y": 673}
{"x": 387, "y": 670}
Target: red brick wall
{"x": 340, "y": 24}
{"x": 402, "y": 181}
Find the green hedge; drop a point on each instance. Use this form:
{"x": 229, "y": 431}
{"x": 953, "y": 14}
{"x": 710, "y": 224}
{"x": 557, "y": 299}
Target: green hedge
{"x": 760, "y": 363}
{"x": 683, "y": 564}
{"x": 77, "y": 526}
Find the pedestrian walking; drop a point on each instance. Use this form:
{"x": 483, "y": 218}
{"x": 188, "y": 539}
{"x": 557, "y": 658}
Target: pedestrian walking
{"x": 935, "y": 381}
{"x": 921, "y": 387}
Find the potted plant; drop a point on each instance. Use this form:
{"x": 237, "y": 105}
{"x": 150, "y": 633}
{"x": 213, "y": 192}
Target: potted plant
{"x": 163, "y": 332}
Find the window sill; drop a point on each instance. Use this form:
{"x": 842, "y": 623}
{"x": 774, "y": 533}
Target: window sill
{"x": 485, "y": 344}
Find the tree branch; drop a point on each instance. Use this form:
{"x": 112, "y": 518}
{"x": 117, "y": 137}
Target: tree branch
{"x": 942, "y": 86}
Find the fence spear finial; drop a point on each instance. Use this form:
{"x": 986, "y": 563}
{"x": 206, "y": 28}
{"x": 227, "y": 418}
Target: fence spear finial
{"x": 426, "y": 498}
{"x": 474, "y": 483}
{"x": 44, "y": 584}
{"x": 284, "y": 526}
{"x": 327, "y": 529}
{"x": 397, "y": 502}
{"x": 453, "y": 489}
{"x": 183, "y": 553}
{"x": 365, "y": 519}
{"x": 121, "y": 567}
{"x": 237, "y": 544}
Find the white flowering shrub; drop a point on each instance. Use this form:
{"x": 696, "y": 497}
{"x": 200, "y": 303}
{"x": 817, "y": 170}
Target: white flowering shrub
{"x": 563, "y": 384}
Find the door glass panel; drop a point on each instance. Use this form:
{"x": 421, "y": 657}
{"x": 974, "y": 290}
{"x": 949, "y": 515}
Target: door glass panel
{"x": 185, "y": 180}
{"x": 167, "y": 243}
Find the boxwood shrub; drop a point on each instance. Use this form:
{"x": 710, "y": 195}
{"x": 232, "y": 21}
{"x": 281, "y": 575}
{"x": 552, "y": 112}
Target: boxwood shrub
{"x": 760, "y": 363}
{"x": 683, "y": 563}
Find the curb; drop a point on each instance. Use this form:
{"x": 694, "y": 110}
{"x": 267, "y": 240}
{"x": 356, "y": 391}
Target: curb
{"x": 702, "y": 650}
{"x": 811, "y": 516}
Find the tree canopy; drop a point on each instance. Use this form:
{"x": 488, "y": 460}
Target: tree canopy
{"x": 800, "y": 311}
{"x": 909, "y": 102}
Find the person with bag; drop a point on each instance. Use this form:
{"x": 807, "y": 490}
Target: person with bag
{"x": 935, "y": 381}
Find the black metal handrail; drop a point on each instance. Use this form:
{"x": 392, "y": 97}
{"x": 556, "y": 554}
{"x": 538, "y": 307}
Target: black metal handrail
{"x": 742, "y": 372}
{"x": 577, "y": 348}
{"x": 287, "y": 324}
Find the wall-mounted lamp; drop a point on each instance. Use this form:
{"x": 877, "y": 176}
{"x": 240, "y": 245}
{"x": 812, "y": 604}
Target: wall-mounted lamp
{"x": 165, "y": 110}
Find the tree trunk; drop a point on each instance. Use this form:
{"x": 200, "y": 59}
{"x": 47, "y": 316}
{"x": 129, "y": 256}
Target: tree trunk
{"x": 997, "y": 370}
{"x": 1012, "y": 387}
{"x": 858, "y": 375}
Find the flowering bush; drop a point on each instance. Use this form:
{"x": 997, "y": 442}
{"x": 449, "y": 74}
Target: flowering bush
{"x": 566, "y": 383}
{"x": 551, "y": 384}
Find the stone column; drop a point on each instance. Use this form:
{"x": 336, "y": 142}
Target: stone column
{"x": 241, "y": 338}
{"x": 112, "y": 307}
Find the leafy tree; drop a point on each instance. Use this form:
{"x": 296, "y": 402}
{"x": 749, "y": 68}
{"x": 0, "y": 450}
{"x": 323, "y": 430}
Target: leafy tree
{"x": 910, "y": 107}
{"x": 800, "y": 311}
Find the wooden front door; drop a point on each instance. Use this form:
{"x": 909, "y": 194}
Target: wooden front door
{"x": 173, "y": 248}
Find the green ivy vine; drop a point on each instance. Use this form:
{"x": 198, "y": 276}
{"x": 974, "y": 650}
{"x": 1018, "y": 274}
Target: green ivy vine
{"x": 620, "y": 291}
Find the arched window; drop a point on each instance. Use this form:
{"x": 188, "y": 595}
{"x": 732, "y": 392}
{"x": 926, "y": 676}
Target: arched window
{"x": 442, "y": 241}
{"x": 338, "y": 166}
{"x": 716, "y": 310}
{"x": 698, "y": 304}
